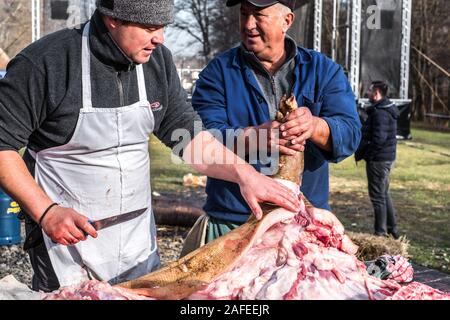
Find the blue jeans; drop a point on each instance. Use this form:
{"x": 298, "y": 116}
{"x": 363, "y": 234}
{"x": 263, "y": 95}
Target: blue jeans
{"x": 378, "y": 184}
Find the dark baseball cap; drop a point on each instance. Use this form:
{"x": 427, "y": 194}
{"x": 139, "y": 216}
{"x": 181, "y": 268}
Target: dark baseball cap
{"x": 263, "y": 3}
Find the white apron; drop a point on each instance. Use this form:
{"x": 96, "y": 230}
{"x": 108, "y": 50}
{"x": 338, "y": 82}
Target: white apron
{"x": 103, "y": 171}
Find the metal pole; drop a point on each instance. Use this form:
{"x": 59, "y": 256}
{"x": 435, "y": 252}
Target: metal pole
{"x": 405, "y": 49}
{"x": 355, "y": 47}
{"x": 334, "y": 34}
{"x": 347, "y": 37}
{"x": 35, "y": 20}
{"x": 317, "y": 25}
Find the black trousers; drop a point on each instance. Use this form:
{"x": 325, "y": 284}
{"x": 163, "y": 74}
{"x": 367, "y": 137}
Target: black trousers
{"x": 378, "y": 184}
{"x": 44, "y": 276}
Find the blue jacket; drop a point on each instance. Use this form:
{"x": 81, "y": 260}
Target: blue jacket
{"x": 227, "y": 96}
{"x": 379, "y": 132}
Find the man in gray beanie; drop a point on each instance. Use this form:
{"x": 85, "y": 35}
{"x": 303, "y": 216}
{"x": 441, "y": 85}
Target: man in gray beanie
{"x": 144, "y": 12}
{"x": 83, "y": 102}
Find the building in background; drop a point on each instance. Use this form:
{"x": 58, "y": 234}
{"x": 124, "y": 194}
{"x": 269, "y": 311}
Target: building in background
{"x": 54, "y": 15}
{"x": 188, "y": 77}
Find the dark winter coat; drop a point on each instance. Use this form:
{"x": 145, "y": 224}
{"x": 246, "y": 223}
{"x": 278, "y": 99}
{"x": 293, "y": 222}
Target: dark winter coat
{"x": 379, "y": 142}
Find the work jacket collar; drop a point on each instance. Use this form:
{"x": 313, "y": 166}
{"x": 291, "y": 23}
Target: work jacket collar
{"x": 302, "y": 56}
{"x": 252, "y": 60}
{"x": 104, "y": 48}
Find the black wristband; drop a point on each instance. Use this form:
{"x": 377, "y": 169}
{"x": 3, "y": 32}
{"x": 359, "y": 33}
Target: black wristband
{"x": 45, "y": 212}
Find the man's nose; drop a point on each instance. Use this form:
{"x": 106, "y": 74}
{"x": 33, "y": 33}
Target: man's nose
{"x": 249, "y": 22}
{"x": 158, "y": 37}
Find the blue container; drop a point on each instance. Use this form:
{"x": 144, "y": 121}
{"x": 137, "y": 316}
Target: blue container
{"x": 9, "y": 221}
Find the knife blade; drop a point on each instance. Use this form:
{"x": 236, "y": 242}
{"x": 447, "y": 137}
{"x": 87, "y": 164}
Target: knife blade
{"x": 120, "y": 218}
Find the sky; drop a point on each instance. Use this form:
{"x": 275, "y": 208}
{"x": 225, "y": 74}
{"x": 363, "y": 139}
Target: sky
{"x": 178, "y": 42}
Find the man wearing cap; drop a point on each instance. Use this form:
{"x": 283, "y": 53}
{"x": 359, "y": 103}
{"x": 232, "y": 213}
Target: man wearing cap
{"x": 83, "y": 102}
{"x": 241, "y": 89}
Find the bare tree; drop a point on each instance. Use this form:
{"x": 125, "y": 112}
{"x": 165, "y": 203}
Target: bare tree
{"x": 208, "y": 22}
{"x": 429, "y": 58}
{"x": 225, "y": 28}
{"x": 194, "y": 17}
{"x": 15, "y": 25}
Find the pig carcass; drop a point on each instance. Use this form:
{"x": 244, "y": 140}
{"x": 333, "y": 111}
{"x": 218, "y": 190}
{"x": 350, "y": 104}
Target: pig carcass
{"x": 290, "y": 256}
{"x": 285, "y": 255}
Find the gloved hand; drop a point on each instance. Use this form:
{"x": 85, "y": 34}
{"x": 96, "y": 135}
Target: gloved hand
{"x": 395, "y": 268}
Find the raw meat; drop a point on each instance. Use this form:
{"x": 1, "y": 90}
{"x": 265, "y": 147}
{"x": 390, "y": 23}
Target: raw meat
{"x": 285, "y": 255}
{"x": 303, "y": 255}
{"x": 419, "y": 291}
{"x": 289, "y": 257}
{"x": 93, "y": 290}
{"x": 310, "y": 257}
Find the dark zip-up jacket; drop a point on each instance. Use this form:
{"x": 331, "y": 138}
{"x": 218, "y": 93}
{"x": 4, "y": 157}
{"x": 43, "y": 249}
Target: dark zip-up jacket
{"x": 379, "y": 141}
{"x": 40, "y": 97}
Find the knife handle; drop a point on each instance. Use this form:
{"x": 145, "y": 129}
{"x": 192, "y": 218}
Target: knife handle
{"x": 92, "y": 224}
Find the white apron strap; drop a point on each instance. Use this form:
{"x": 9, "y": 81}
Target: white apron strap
{"x": 86, "y": 69}
{"x": 141, "y": 83}
{"x": 86, "y": 73}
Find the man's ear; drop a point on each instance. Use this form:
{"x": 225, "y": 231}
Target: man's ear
{"x": 111, "y": 23}
{"x": 288, "y": 21}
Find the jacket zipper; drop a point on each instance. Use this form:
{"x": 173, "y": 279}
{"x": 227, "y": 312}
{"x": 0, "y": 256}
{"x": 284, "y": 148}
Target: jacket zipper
{"x": 119, "y": 83}
{"x": 274, "y": 91}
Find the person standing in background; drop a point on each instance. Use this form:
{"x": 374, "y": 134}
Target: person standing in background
{"x": 378, "y": 148}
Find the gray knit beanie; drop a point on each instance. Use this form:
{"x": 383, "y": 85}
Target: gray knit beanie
{"x": 148, "y": 12}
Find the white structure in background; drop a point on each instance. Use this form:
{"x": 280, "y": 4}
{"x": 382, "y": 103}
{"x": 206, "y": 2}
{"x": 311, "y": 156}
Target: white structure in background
{"x": 48, "y": 16}
{"x": 35, "y": 20}
{"x": 317, "y": 25}
{"x": 364, "y": 51}
{"x": 370, "y": 39}
{"x": 188, "y": 77}
{"x": 406, "y": 44}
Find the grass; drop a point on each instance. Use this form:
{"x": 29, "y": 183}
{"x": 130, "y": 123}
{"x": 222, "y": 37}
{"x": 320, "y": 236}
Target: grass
{"x": 420, "y": 188}
{"x": 166, "y": 176}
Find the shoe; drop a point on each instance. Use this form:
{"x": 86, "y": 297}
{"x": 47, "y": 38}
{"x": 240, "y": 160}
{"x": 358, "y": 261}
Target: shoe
{"x": 395, "y": 235}
{"x": 380, "y": 234}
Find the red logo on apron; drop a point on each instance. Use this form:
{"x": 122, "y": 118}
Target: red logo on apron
{"x": 156, "y": 106}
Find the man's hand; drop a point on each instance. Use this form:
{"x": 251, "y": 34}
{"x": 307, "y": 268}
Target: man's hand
{"x": 62, "y": 225}
{"x": 270, "y": 131}
{"x": 298, "y": 126}
{"x": 66, "y": 226}
{"x": 301, "y": 125}
{"x": 256, "y": 188}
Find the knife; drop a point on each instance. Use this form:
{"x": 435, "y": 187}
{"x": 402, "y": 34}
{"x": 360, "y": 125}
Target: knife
{"x": 35, "y": 238}
{"x": 111, "y": 221}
